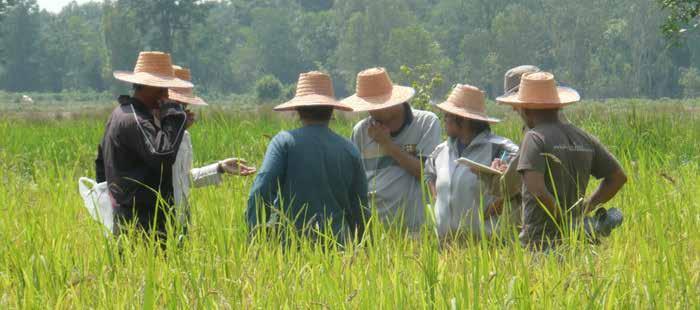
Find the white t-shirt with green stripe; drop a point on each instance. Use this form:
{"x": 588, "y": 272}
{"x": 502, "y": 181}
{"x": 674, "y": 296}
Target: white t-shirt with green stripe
{"x": 397, "y": 195}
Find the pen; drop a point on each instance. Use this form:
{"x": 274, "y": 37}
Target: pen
{"x": 504, "y": 156}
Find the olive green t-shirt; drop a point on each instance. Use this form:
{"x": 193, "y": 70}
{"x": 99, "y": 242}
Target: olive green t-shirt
{"x": 567, "y": 156}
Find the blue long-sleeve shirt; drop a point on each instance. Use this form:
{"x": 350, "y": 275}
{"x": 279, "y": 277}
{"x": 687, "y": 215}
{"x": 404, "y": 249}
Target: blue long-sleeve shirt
{"x": 314, "y": 176}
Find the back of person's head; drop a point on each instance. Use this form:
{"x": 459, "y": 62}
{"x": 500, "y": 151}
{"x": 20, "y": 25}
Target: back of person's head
{"x": 316, "y": 114}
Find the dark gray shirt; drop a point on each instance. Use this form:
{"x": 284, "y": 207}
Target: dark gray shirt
{"x": 567, "y": 156}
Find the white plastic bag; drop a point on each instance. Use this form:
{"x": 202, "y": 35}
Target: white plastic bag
{"x": 97, "y": 201}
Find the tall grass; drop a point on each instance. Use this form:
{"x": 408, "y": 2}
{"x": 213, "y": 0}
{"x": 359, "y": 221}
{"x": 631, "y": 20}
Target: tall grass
{"x": 52, "y": 255}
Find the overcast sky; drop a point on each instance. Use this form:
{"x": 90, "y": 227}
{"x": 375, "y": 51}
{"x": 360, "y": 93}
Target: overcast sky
{"x": 56, "y": 5}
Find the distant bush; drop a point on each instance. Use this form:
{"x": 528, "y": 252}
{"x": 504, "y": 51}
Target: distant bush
{"x": 690, "y": 81}
{"x": 268, "y": 88}
{"x": 289, "y": 92}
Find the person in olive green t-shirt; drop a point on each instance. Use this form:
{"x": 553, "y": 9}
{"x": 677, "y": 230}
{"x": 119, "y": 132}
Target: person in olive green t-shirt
{"x": 556, "y": 162}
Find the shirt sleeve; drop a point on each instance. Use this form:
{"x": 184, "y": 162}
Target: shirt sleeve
{"x": 205, "y": 176}
{"x": 157, "y": 147}
{"x": 431, "y": 138}
{"x": 267, "y": 182}
{"x": 604, "y": 163}
{"x": 531, "y": 157}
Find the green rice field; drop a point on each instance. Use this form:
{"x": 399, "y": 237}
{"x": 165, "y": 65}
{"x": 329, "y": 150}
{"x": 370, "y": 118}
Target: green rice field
{"x": 54, "y": 256}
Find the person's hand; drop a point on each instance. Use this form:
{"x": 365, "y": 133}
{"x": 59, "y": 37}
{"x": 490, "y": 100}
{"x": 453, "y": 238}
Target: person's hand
{"x": 379, "y": 133}
{"x": 499, "y": 165}
{"x": 236, "y": 166}
{"x": 191, "y": 118}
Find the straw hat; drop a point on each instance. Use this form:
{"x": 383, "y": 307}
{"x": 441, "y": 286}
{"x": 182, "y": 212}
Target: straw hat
{"x": 314, "y": 89}
{"x": 467, "y": 101}
{"x": 539, "y": 91}
{"x": 185, "y": 95}
{"x": 153, "y": 69}
{"x": 511, "y": 80}
{"x": 375, "y": 91}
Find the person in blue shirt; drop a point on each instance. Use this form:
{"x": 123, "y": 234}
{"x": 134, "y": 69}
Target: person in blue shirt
{"x": 311, "y": 177}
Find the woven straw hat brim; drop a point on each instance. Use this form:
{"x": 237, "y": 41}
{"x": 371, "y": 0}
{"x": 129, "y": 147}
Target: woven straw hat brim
{"x": 452, "y": 109}
{"x": 312, "y": 101}
{"x": 398, "y": 95}
{"x": 150, "y": 79}
{"x": 567, "y": 96}
{"x": 185, "y": 97}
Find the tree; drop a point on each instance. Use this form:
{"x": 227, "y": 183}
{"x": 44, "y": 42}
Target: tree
{"x": 412, "y": 46}
{"x": 21, "y": 28}
{"x": 317, "y": 38}
{"x": 4, "y": 6}
{"x": 316, "y": 5}
{"x": 163, "y": 20}
{"x": 275, "y": 43}
{"x": 268, "y": 88}
{"x": 365, "y": 34}
{"x": 681, "y": 14}
{"x": 122, "y": 37}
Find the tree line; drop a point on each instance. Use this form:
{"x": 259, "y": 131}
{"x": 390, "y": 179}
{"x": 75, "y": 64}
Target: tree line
{"x": 605, "y": 48}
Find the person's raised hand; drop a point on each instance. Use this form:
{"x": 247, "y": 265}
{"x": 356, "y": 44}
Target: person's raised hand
{"x": 237, "y": 166}
{"x": 379, "y": 133}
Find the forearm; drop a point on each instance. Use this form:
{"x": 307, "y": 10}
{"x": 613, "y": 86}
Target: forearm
{"x": 406, "y": 161}
{"x": 206, "y": 176}
{"x": 607, "y": 189}
{"x": 534, "y": 182}
{"x": 548, "y": 201}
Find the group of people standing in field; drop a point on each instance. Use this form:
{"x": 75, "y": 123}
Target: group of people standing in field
{"x": 395, "y": 169}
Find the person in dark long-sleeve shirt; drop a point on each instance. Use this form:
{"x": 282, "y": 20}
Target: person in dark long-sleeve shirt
{"x": 311, "y": 175}
{"x": 138, "y": 149}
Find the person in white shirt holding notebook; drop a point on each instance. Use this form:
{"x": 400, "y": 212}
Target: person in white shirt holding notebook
{"x": 463, "y": 206}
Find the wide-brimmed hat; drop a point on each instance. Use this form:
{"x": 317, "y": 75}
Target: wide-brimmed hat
{"x": 469, "y": 102}
{"x": 314, "y": 89}
{"x": 375, "y": 91}
{"x": 153, "y": 69}
{"x": 511, "y": 80}
{"x": 184, "y": 95}
{"x": 539, "y": 91}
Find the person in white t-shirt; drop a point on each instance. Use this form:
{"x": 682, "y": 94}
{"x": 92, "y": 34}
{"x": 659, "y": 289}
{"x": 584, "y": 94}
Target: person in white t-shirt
{"x": 465, "y": 206}
{"x": 393, "y": 141}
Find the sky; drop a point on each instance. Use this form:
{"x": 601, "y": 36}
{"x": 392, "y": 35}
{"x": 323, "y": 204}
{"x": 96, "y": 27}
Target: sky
{"x": 56, "y": 5}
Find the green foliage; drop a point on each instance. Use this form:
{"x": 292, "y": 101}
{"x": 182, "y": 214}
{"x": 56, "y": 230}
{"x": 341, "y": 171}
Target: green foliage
{"x": 20, "y": 32}
{"x": 274, "y": 43}
{"x": 681, "y": 14}
{"x": 268, "y": 88}
{"x": 690, "y": 81}
{"x": 603, "y": 48}
{"x": 289, "y": 92}
{"x": 4, "y": 5}
{"x": 425, "y": 80}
